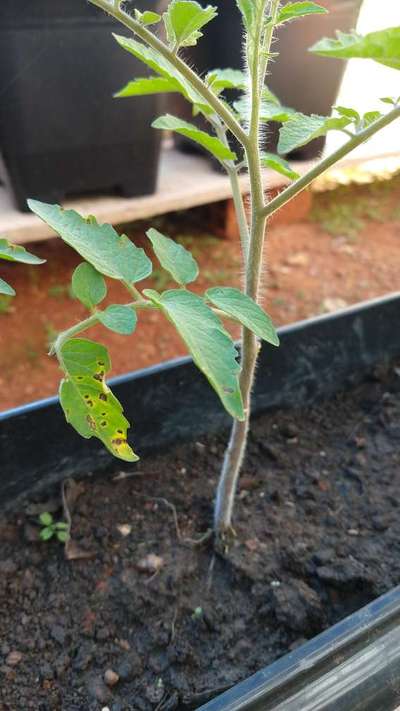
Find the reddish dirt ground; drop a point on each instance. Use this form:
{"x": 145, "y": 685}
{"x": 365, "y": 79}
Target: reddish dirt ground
{"x": 344, "y": 249}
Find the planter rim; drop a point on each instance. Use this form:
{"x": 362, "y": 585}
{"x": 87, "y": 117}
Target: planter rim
{"x": 173, "y": 402}
{"x": 173, "y": 363}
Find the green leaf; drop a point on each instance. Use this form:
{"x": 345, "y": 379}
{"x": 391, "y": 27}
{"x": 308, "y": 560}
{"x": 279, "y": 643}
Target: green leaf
{"x": 390, "y": 100}
{"x": 221, "y": 79}
{"x": 174, "y": 258}
{"x": 88, "y": 404}
{"x": 61, "y": 526}
{"x": 279, "y": 165}
{"x": 147, "y": 85}
{"x": 164, "y": 68}
{"x": 111, "y": 254}
{"x": 147, "y": 17}
{"x": 6, "y": 288}
{"x": 118, "y": 318}
{"x": 269, "y": 110}
{"x": 211, "y": 347}
{"x": 371, "y": 117}
{"x": 17, "y": 253}
{"x": 46, "y": 518}
{"x": 88, "y": 285}
{"x": 351, "y": 114}
{"x": 63, "y": 536}
{"x": 184, "y": 20}
{"x": 247, "y": 8}
{"x": 211, "y": 143}
{"x": 46, "y": 533}
{"x": 301, "y": 129}
{"x": 236, "y": 304}
{"x": 299, "y": 9}
{"x": 382, "y": 46}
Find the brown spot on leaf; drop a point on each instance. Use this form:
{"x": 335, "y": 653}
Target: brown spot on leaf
{"x": 103, "y": 397}
{"x": 91, "y": 422}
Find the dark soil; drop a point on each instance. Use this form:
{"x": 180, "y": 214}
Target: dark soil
{"x": 318, "y": 536}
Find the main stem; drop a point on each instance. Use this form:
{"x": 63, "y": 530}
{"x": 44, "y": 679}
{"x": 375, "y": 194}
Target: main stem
{"x": 250, "y": 347}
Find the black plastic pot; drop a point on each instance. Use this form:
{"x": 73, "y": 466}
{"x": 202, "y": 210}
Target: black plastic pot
{"x": 354, "y": 665}
{"x": 350, "y": 667}
{"x": 61, "y": 132}
{"x": 300, "y": 79}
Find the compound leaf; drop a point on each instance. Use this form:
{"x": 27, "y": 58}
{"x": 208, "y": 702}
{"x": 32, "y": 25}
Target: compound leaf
{"x": 184, "y": 20}
{"x": 279, "y": 165}
{"x": 88, "y": 404}
{"x": 174, "y": 258}
{"x": 6, "y": 288}
{"x": 111, "y": 254}
{"x": 382, "y": 46}
{"x": 236, "y": 304}
{"x": 118, "y": 318}
{"x": 88, "y": 285}
{"x": 293, "y": 10}
{"x": 211, "y": 143}
{"x": 211, "y": 347}
{"x": 301, "y": 129}
{"x": 17, "y": 253}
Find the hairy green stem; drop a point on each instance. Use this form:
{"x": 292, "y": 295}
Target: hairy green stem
{"x": 250, "y": 347}
{"x": 196, "y": 82}
{"x": 295, "y": 188}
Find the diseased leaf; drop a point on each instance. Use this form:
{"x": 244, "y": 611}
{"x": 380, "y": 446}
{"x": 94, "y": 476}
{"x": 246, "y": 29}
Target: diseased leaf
{"x": 119, "y": 318}
{"x": 247, "y": 8}
{"x": 183, "y": 21}
{"x": 210, "y": 346}
{"x": 382, "y": 46}
{"x": 6, "y": 288}
{"x": 279, "y": 165}
{"x": 236, "y": 304}
{"x": 174, "y": 258}
{"x": 88, "y": 285}
{"x": 146, "y": 86}
{"x": 293, "y": 10}
{"x": 221, "y": 79}
{"x": 111, "y": 254}
{"x": 164, "y": 68}
{"x": 211, "y": 143}
{"x": 301, "y": 129}
{"x": 88, "y": 404}
{"x": 147, "y": 18}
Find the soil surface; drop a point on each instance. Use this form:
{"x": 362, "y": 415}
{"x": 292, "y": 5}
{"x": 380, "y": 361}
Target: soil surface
{"x": 141, "y": 619}
{"x": 346, "y": 249}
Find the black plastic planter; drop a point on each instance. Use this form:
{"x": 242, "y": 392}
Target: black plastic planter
{"x": 355, "y": 664}
{"x": 174, "y": 403}
{"x": 61, "y": 132}
{"x": 301, "y": 80}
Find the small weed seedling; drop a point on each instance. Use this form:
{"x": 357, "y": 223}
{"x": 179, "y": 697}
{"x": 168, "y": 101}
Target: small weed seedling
{"x": 88, "y": 404}
{"x": 51, "y": 528}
